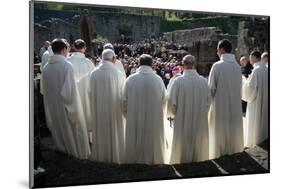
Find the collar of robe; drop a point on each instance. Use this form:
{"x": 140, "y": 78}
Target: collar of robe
{"x": 258, "y": 64}
{"x": 56, "y": 58}
{"x": 106, "y": 64}
{"x": 145, "y": 70}
{"x": 177, "y": 75}
{"x": 78, "y": 55}
{"x": 227, "y": 57}
{"x": 190, "y": 73}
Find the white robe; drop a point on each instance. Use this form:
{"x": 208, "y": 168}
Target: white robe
{"x": 255, "y": 92}
{"x": 107, "y": 125}
{"x": 63, "y": 110}
{"x": 120, "y": 67}
{"x": 172, "y": 81}
{"x": 188, "y": 102}
{"x": 144, "y": 100}
{"x": 82, "y": 68}
{"x": 44, "y": 60}
{"x": 45, "y": 57}
{"x": 225, "y": 114}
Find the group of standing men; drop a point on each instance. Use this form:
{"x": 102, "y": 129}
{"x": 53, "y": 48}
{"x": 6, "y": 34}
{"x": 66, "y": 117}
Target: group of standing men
{"x": 96, "y": 113}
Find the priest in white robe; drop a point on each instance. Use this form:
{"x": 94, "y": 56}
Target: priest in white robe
{"x": 44, "y": 60}
{"x": 82, "y": 68}
{"x": 107, "y": 124}
{"x": 255, "y": 92}
{"x": 43, "y": 49}
{"x": 45, "y": 57}
{"x": 225, "y": 114}
{"x": 118, "y": 64}
{"x": 64, "y": 114}
{"x": 188, "y": 103}
{"x": 144, "y": 100}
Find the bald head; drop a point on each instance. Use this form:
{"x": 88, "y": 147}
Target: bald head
{"x": 108, "y": 55}
{"x": 189, "y": 61}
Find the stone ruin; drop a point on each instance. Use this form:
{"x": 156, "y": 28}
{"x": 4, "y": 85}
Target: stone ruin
{"x": 53, "y": 28}
{"x": 106, "y": 24}
{"x": 202, "y": 43}
{"x": 253, "y": 35}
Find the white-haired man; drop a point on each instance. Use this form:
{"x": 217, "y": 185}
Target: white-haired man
{"x": 188, "y": 102}
{"x": 106, "y": 84}
{"x": 118, "y": 64}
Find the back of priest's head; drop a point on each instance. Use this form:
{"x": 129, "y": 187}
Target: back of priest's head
{"x": 189, "y": 61}
{"x": 108, "y": 46}
{"x": 145, "y": 60}
{"x": 59, "y": 46}
{"x": 79, "y": 44}
{"x": 108, "y": 55}
{"x": 224, "y": 46}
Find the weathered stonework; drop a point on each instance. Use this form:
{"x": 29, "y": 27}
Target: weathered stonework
{"x": 201, "y": 42}
{"x": 105, "y": 24}
{"x": 253, "y": 34}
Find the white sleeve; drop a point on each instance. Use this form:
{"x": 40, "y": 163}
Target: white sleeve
{"x": 249, "y": 87}
{"x": 172, "y": 100}
{"x": 69, "y": 95}
{"x": 212, "y": 82}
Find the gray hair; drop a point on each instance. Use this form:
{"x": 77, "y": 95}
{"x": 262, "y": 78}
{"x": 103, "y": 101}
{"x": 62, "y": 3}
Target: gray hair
{"x": 108, "y": 54}
{"x": 108, "y": 46}
{"x": 188, "y": 60}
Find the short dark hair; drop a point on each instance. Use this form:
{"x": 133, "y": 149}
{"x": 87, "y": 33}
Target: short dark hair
{"x": 257, "y": 54}
{"x": 79, "y": 44}
{"x": 58, "y": 45}
{"x": 145, "y": 60}
{"x": 226, "y": 45}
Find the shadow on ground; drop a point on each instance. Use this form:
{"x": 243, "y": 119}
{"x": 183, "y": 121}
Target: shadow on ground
{"x": 64, "y": 170}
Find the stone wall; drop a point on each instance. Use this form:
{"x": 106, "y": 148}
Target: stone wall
{"x": 228, "y": 24}
{"x": 253, "y": 34}
{"x": 51, "y": 24}
{"x": 53, "y": 28}
{"x": 137, "y": 27}
{"x": 201, "y": 42}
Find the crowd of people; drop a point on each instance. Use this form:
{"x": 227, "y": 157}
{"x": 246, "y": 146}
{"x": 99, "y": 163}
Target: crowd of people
{"x": 113, "y": 110}
{"x": 167, "y": 57}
